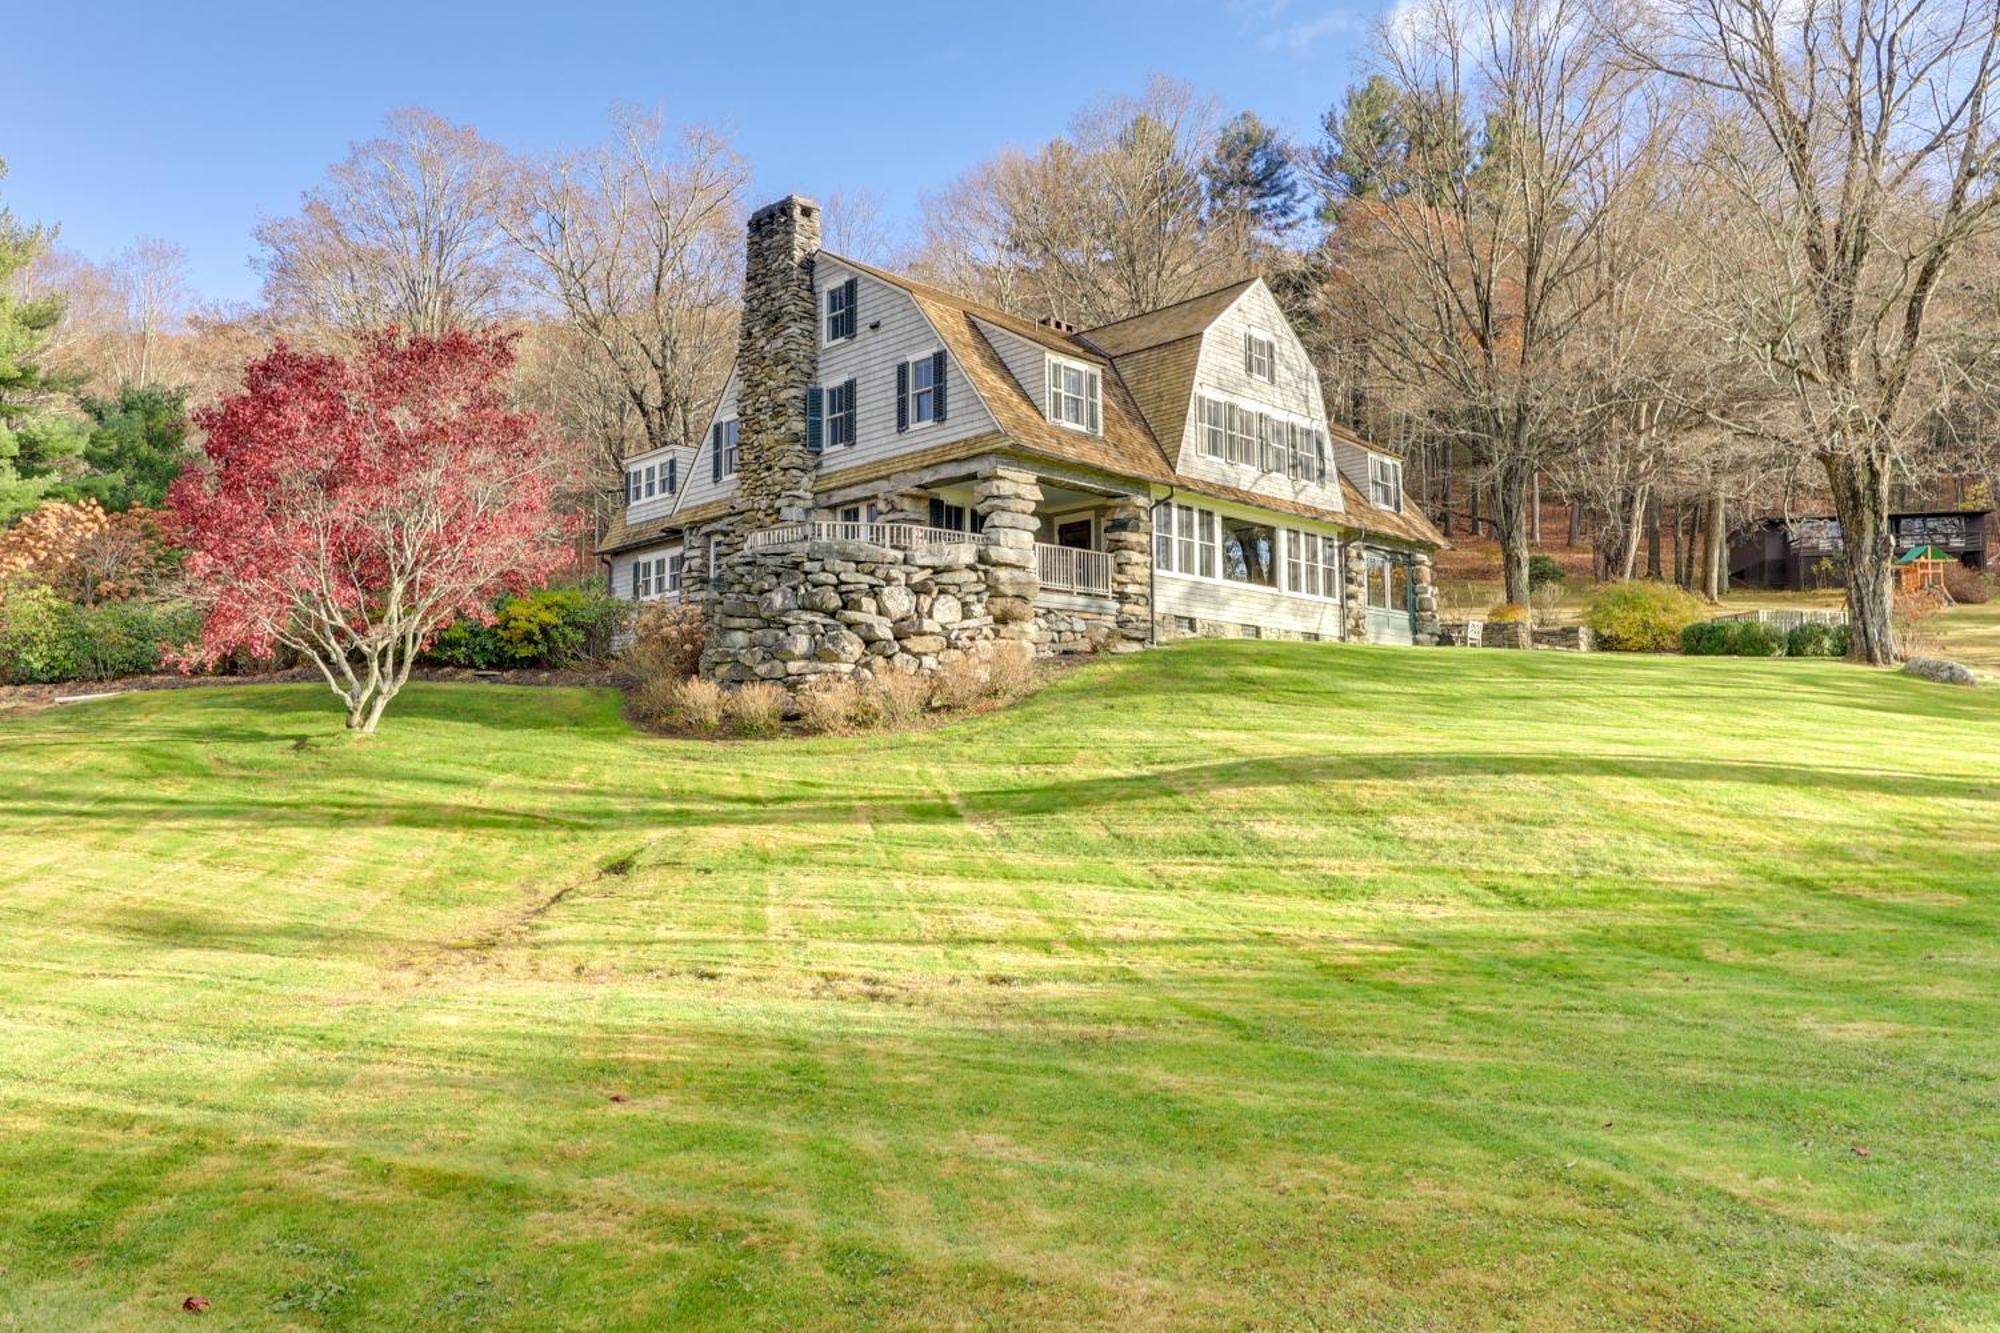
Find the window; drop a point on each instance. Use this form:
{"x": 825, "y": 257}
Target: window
{"x": 1312, "y": 564}
{"x": 1074, "y": 394}
{"x": 725, "y": 448}
{"x": 1385, "y": 483}
{"x": 1260, "y": 358}
{"x": 920, "y": 386}
{"x": 838, "y": 406}
{"x": 948, "y": 516}
{"x": 840, "y": 309}
{"x": 1242, "y": 428}
{"x": 1214, "y": 427}
{"x": 859, "y": 514}
{"x": 1389, "y": 584}
{"x": 652, "y": 480}
{"x": 1249, "y": 552}
{"x": 675, "y": 565}
{"x": 1184, "y": 540}
{"x": 631, "y": 486}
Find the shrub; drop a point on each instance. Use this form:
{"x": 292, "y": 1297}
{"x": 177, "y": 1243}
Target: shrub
{"x": 685, "y": 705}
{"x": 1507, "y": 613}
{"x": 756, "y": 709}
{"x": 1748, "y": 638}
{"x": 551, "y": 627}
{"x": 1544, "y": 571}
{"x": 1968, "y": 586}
{"x": 894, "y": 699}
{"x": 558, "y": 627}
{"x": 1705, "y": 638}
{"x": 1641, "y": 617}
{"x": 826, "y": 707}
{"x": 41, "y": 636}
{"x": 958, "y": 684}
{"x": 1011, "y": 674}
{"x": 1817, "y": 641}
{"x": 129, "y": 638}
{"x": 666, "y": 642}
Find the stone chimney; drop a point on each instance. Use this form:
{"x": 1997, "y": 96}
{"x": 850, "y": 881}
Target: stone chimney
{"x": 776, "y": 359}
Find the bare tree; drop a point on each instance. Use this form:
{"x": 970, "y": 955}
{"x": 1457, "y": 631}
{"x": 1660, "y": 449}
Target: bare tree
{"x": 1111, "y": 220}
{"x": 858, "y": 226}
{"x": 1475, "y": 256}
{"x": 405, "y": 231}
{"x": 639, "y": 248}
{"x": 1859, "y": 138}
{"x": 152, "y": 278}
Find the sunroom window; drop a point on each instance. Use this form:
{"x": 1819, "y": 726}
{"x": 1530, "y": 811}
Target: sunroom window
{"x": 1074, "y": 392}
{"x": 1249, "y": 552}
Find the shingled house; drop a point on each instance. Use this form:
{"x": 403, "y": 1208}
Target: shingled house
{"x": 894, "y": 473}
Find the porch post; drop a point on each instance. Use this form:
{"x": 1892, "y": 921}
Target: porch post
{"x": 1005, "y": 499}
{"x": 1427, "y": 603}
{"x": 1128, "y": 538}
{"x": 1355, "y": 554}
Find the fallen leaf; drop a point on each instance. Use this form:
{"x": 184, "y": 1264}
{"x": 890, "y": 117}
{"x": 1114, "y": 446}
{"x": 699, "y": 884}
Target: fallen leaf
{"x": 195, "y": 1304}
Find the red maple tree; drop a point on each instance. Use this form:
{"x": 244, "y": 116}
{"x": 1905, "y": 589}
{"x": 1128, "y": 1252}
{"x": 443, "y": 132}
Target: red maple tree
{"x": 351, "y": 508}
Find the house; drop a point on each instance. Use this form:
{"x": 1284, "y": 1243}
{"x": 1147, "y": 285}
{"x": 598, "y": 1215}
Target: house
{"x": 892, "y": 465}
{"x": 1806, "y": 553}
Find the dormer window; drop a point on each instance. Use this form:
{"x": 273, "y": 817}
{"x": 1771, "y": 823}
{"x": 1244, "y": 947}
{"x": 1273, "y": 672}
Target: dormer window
{"x": 1074, "y": 393}
{"x": 646, "y": 481}
{"x": 1260, "y": 358}
{"x": 1385, "y": 483}
{"x": 841, "y": 302}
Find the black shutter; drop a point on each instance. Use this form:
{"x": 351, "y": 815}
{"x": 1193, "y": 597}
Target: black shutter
{"x": 937, "y": 383}
{"x": 673, "y": 475}
{"x": 715, "y": 452}
{"x": 853, "y": 413}
{"x": 902, "y": 396}
{"x": 853, "y": 286}
{"x": 635, "y": 579}
{"x": 815, "y": 403}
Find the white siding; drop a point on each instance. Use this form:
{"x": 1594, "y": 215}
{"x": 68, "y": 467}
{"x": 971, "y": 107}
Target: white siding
{"x": 645, "y": 511}
{"x": 1237, "y": 604}
{"x": 1232, "y": 603}
{"x": 700, "y": 486}
{"x": 621, "y": 566}
{"x": 870, "y": 359}
{"x": 1219, "y": 371}
{"x": 1026, "y": 361}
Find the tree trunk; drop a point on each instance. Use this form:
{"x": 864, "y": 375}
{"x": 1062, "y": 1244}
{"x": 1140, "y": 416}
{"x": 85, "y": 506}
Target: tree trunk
{"x": 1575, "y": 523}
{"x": 1510, "y": 521}
{"x": 1538, "y": 508}
{"x": 1860, "y": 486}
{"x": 1715, "y": 553}
{"x": 1653, "y": 539}
{"x": 1635, "y": 526}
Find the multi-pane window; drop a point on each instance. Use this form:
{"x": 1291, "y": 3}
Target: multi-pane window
{"x": 1184, "y": 540}
{"x": 840, "y": 305}
{"x": 1260, "y": 358}
{"x": 1385, "y": 483}
{"x": 1312, "y": 564}
{"x": 923, "y": 390}
{"x": 1249, "y": 552}
{"x": 1214, "y": 427}
{"x": 1242, "y": 424}
{"x": 840, "y": 414}
{"x": 732, "y": 447}
{"x": 1074, "y": 395}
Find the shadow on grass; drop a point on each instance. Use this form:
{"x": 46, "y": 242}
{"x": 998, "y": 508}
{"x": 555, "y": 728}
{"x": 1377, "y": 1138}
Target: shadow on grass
{"x": 790, "y": 801}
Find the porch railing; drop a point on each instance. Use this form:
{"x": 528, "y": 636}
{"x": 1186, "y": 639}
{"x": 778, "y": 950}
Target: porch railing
{"x": 903, "y": 536}
{"x": 1068, "y": 569}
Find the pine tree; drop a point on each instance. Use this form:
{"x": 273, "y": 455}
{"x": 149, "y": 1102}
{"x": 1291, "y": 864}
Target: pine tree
{"x": 1250, "y": 177}
{"x": 36, "y": 439}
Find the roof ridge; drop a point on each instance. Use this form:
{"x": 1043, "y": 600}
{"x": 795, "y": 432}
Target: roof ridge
{"x": 1175, "y": 305}
{"x": 993, "y": 315}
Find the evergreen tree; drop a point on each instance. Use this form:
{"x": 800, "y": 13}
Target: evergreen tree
{"x": 1250, "y": 178}
{"x": 36, "y": 439}
{"x": 137, "y": 446}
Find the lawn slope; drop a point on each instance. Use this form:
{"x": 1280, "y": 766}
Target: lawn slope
{"x": 1234, "y": 984}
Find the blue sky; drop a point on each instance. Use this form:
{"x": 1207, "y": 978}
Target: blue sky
{"x": 189, "y": 121}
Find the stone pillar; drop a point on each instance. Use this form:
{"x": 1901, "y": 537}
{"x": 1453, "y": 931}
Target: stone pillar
{"x": 1128, "y": 538}
{"x": 1005, "y": 498}
{"x": 1423, "y": 573}
{"x": 1355, "y": 556}
{"x": 776, "y": 359}
{"x": 902, "y": 506}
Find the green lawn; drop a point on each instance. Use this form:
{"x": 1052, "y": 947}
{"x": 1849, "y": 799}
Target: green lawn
{"x": 1254, "y": 985}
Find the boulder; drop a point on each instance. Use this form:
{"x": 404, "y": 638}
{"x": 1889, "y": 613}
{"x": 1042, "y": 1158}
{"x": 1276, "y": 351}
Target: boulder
{"x": 839, "y": 645}
{"x": 895, "y": 602}
{"x": 1941, "y": 670}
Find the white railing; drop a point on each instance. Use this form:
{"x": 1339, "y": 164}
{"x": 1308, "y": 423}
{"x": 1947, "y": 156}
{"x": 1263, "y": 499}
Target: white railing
{"x": 903, "y": 536}
{"x": 1786, "y": 618}
{"x": 1068, "y": 569}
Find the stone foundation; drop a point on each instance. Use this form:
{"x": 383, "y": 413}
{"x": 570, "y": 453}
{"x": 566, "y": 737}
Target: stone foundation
{"x": 792, "y": 612}
{"x": 1060, "y": 633}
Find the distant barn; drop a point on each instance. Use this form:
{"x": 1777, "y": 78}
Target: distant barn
{"x": 1805, "y": 553}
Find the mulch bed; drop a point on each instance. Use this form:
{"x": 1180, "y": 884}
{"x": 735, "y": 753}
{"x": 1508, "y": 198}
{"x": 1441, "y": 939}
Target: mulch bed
{"x": 29, "y": 698}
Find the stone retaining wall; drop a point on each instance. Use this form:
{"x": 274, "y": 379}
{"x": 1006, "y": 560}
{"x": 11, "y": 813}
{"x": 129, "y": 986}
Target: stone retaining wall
{"x": 789, "y": 613}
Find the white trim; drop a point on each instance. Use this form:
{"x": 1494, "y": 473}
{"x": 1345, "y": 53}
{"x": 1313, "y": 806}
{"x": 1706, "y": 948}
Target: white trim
{"x": 1092, "y": 397}
{"x": 1277, "y": 522}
